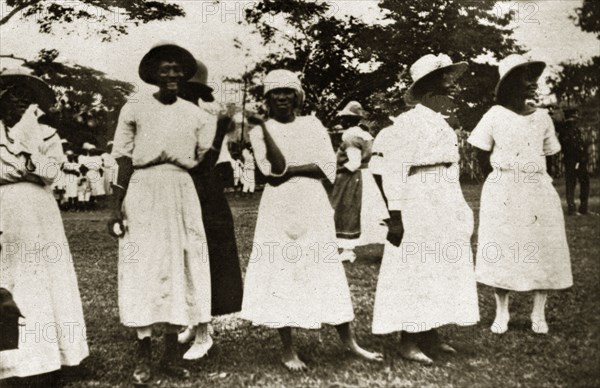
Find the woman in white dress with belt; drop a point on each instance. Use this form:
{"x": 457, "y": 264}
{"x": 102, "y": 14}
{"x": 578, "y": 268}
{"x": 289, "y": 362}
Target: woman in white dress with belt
{"x": 164, "y": 273}
{"x": 427, "y": 277}
{"x": 522, "y": 241}
{"x": 295, "y": 278}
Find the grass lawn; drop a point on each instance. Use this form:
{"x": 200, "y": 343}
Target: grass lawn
{"x": 249, "y": 356}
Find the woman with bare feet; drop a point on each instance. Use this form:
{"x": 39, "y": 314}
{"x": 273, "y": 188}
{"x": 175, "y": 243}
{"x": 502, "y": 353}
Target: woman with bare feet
{"x": 295, "y": 278}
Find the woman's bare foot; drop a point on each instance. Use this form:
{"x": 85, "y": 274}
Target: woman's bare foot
{"x": 292, "y": 362}
{"x": 360, "y": 352}
{"x": 411, "y": 351}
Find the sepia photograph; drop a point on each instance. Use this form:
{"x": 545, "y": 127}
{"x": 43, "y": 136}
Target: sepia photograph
{"x": 299, "y": 193}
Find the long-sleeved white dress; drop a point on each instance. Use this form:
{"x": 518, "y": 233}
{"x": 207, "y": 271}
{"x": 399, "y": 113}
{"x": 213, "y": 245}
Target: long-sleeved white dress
{"x": 429, "y": 280}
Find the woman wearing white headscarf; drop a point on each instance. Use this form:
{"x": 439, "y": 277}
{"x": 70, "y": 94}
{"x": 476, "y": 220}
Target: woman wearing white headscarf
{"x": 295, "y": 277}
{"x": 426, "y": 278}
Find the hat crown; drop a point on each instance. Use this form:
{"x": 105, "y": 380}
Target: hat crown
{"x": 510, "y": 62}
{"x": 428, "y": 63}
{"x": 279, "y": 79}
{"x": 353, "y": 108}
{"x": 201, "y": 76}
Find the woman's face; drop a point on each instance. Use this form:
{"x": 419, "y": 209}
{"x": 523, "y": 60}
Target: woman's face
{"x": 14, "y": 103}
{"x": 526, "y": 84}
{"x": 282, "y": 103}
{"x": 448, "y": 85}
{"x": 169, "y": 75}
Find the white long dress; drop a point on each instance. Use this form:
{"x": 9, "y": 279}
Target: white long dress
{"x": 522, "y": 241}
{"x": 429, "y": 280}
{"x": 36, "y": 263}
{"x": 295, "y": 277}
{"x": 164, "y": 273}
{"x": 95, "y": 178}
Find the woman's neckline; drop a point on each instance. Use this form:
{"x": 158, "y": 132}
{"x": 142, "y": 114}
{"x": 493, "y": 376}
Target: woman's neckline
{"x": 519, "y": 114}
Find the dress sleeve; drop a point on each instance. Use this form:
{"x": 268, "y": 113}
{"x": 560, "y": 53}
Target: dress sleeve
{"x": 354, "y": 158}
{"x": 376, "y": 162}
{"x": 551, "y": 143}
{"x": 259, "y": 147}
{"x": 482, "y": 136}
{"x": 397, "y": 156}
{"x": 322, "y": 151}
{"x": 206, "y": 131}
{"x": 124, "y": 141}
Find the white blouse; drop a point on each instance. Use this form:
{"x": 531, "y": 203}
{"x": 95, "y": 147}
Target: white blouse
{"x": 419, "y": 137}
{"x": 151, "y": 132}
{"x": 303, "y": 141}
{"x": 517, "y": 142}
{"x": 44, "y": 161}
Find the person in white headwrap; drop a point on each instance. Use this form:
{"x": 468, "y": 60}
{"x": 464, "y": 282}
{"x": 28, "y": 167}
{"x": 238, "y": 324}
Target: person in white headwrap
{"x": 360, "y": 210}
{"x": 522, "y": 241}
{"x": 36, "y": 265}
{"x": 295, "y": 278}
{"x": 427, "y": 278}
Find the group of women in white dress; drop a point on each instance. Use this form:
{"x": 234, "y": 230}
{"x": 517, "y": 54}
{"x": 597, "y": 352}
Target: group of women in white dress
{"x": 295, "y": 277}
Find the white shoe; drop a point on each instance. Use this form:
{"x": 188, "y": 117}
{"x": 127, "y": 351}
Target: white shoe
{"x": 348, "y": 255}
{"x": 198, "y": 350}
{"x": 186, "y": 336}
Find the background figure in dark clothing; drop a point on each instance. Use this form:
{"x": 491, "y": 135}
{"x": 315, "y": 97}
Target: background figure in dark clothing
{"x": 209, "y": 178}
{"x": 576, "y": 156}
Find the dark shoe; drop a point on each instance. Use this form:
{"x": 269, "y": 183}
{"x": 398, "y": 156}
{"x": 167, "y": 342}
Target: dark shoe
{"x": 143, "y": 371}
{"x": 170, "y": 363}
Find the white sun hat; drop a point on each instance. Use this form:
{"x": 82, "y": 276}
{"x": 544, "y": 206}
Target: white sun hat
{"x": 428, "y": 66}
{"x": 516, "y": 61}
{"x": 353, "y": 108}
{"x": 88, "y": 146}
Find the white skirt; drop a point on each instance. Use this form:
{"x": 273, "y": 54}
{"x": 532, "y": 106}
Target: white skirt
{"x": 37, "y": 267}
{"x": 429, "y": 280}
{"x": 295, "y": 277}
{"x": 164, "y": 273}
{"x": 522, "y": 241}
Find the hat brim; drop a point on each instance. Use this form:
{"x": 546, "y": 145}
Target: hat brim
{"x": 147, "y": 71}
{"x": 203, "y": 91}
{"x": 43, "y": 94}
{"x": 536, "y": 66}
{"x": 411, "y": 97}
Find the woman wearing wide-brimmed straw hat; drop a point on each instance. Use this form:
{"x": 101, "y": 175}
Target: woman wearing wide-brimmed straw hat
{"x": 36, "y": 263}
{"x": 295, "y": 278}
{"x": 164, "y": 273}
{"x": 209, "y": 178}
{"x": 427, "y": 277}
{"x": 522, "y": 242}
{"x": 360, "y": 210}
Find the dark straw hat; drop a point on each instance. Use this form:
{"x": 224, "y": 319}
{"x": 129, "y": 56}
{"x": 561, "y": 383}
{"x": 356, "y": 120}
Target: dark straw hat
{"x": 164, "y": 50}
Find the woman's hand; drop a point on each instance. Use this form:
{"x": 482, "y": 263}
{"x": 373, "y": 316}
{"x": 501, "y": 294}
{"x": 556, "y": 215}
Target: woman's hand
{"x": 395, "y": 228}
{"x": 116, "y": 225}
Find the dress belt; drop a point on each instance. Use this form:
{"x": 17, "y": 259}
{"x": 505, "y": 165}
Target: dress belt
{"x": 431, "y": 167}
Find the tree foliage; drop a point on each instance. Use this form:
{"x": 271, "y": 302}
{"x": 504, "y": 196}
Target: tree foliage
{"x": 109, "y": 18}
{"x": 344, "y": 58}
